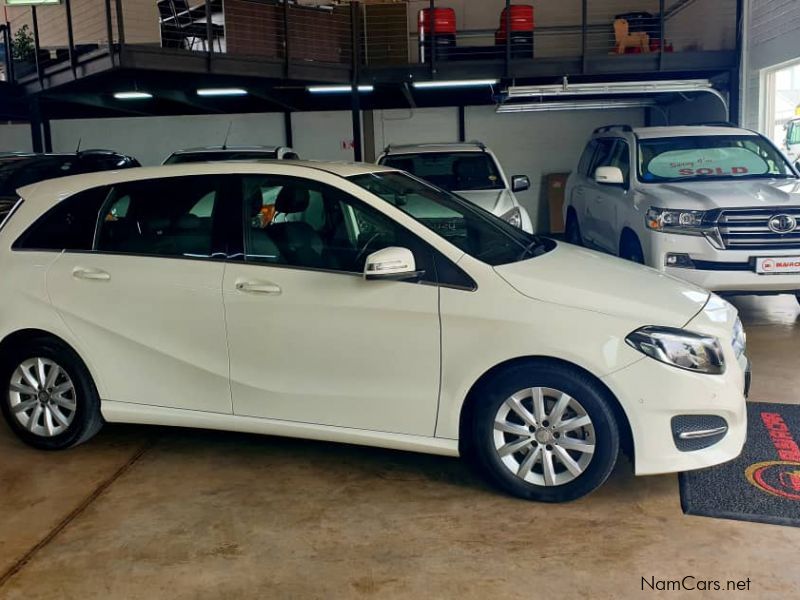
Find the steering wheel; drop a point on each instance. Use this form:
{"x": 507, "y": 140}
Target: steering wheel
{"x": 366, "y": 245}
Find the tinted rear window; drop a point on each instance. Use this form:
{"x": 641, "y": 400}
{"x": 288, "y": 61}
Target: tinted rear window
{"x": 451, "y": 171}
{"x": 222, "y": 155}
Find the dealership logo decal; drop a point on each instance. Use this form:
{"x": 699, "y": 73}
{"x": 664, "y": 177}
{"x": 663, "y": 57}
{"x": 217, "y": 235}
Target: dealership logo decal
{"x": 782, "y": 223}
{"x": 778, "y": 477}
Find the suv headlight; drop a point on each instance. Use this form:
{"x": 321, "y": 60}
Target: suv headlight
{"x": 676, "y": 221}
{"x": 680, "y": 348}
{"x": 514, "y": 217}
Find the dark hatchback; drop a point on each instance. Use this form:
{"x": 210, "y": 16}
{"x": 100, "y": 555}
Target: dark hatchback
{"x": 20, "y": 169}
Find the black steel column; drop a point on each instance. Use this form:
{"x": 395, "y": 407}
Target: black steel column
{"x": 661, "y": 10}
{"x": 48, "y": 134}
{"x": 120, "y": 24}
{"x": 73, "y": 59}
{"x": 286, "y": 38}
{"x": 287, "y": 128}
{"x": 5, "y": 28}
{"x": 209, "y": 33}
{"x": 358, "y": 154}
{"x": 584, "y": 32}
{"x": 36, "y": 47}
{"x": 432, "y": 32}
{"x": 508, "y": 38}
{"x": 735, "y": 91}
{"x": 462, "y": 124}
{"x": 36, "y": 125}
{"x": 109, "y": 29}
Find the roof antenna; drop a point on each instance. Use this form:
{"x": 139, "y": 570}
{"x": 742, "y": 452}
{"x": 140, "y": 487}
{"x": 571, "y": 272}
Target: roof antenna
{"x": 78, "y": 148}
{"x": 225, "y": 143}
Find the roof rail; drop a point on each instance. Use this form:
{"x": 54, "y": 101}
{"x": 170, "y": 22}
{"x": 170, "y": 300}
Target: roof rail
{"x": 719, "y": 124}
{"x": 625, "y": 128}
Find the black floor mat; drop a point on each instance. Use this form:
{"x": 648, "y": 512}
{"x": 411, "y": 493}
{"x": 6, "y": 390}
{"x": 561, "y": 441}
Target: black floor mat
{"x": 763, "y": 484}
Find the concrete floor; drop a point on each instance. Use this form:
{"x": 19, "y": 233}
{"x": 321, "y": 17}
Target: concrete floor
{"x": 159, "y": 513}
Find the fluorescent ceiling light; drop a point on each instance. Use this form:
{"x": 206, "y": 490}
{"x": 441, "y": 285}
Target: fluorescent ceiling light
{"x": 222, "y": 92}
{"x": 575, "y": 105}
{"x": 613, "y": 88}
{"x": 455, "y": 83}
{"x": 338, "y": 89}
{"x": 133, "y": 96}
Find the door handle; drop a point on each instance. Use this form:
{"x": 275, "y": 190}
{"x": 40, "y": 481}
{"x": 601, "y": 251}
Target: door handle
{"x": 90, "y": 274}
{"x": 258, "y": 287}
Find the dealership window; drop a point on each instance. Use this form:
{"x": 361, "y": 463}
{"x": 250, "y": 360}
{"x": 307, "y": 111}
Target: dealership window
{"x": 782, "y": 106}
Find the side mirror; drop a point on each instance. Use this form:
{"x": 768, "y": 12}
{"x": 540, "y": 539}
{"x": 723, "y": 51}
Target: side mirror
{"x": 393, "y": 264}
{"x": 520, "y": 183}
{"x": 609, "y": 176}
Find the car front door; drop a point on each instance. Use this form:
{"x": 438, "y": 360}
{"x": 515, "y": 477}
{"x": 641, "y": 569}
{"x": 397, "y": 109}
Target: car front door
{"x": 612, "y": 200}
{"x": 146, "y": 301}
{"x": 310, "y": 339}
{"x": 604, "y": 201}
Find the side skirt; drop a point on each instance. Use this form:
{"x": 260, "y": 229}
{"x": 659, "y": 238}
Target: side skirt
{"x": 126, "y": 412}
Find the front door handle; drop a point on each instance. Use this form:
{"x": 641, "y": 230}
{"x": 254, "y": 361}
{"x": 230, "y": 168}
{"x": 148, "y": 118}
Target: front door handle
{"x": 258, "y": 287}
{"x": 90, "y": 274}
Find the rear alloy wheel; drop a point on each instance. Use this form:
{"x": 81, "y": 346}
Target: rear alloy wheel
{"x": 48, "y": 397}
{"x": 572, "y": 230}
{"x": 545, "y": 432}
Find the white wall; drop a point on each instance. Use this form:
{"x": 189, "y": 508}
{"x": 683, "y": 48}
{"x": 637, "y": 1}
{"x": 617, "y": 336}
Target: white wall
{"x": 15, "y": 137}
{"x": 536, "y": 144}
{"x": 325, "y": 135}
{"x": 415, "y": 126}
{"x": 772, "y": 37}
{"x": 152, "y": 139}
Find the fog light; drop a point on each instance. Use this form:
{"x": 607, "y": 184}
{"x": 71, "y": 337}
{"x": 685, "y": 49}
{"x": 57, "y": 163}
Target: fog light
{"x": 680, "y": 261}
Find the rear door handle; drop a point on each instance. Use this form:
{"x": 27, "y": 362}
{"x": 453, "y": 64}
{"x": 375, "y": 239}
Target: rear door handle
{"x": 258, "y": 287}
{"x": 90, "y": 274}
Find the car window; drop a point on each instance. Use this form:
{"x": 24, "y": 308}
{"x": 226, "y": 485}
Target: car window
{"x": 688, "y": 158}
{"x": 172, "y": 216}
{"x": 70, "y": 225}
{"x": 42, "y": 169}
{"x": 302, "y": 223}
{"x": 452, "y": 171}
{"x": 93, "y": 163}
{"x": 603, "y": 156}
{"x": 620, "y": 158}
{"x": 586, "y": 159}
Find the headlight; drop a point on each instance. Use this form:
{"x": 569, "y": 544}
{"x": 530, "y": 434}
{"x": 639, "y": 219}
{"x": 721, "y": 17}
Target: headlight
{"x": 680, "y": 348}
{"x": 739, "y": 339}
{"x": 676, "y": 221}
{"x": 514, "y": 217}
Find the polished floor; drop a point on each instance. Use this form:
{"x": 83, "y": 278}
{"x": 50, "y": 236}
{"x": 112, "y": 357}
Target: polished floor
{"x": 157, "y": 513}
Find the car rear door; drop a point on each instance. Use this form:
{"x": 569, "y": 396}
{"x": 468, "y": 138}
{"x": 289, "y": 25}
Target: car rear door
{"x": 146, "y": 298}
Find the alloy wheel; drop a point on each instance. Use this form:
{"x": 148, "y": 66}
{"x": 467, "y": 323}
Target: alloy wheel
{"x": 544, "y": 436}
{"x": 42, "y": 397}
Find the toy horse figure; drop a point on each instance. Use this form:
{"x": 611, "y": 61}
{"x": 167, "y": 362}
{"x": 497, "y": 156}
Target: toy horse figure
{"x": 637, "y": 40}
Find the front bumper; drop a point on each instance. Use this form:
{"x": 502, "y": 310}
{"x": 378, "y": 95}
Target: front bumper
{"x": 720, "y": 270}
{"x": 652, "y": 394}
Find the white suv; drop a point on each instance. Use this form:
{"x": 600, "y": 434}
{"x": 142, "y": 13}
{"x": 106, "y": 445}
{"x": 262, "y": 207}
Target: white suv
{"x": 470, "y": 170}
{"x": 717, "y": 206}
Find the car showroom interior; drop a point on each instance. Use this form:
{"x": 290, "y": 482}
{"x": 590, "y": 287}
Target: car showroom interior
{"x": 399, "y": 299}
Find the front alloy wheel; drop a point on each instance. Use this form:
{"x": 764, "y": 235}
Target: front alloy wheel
{"x": 544, "y": 436}
{"x": 543, "y": 430}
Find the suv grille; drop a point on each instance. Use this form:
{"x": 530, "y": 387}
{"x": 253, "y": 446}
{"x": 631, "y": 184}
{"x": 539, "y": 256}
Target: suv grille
{"x": 748, "y": 229}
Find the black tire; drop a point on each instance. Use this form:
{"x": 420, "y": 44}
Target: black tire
{"x": 572, "y": 230}
{"x": 631, "y": 249}
{"x": 592, "y": 398}
{"x": 86, "y": 420}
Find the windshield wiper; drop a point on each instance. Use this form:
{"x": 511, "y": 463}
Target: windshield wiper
{"x": 534, "y": 249}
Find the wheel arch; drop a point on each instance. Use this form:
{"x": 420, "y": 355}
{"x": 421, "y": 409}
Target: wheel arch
{"x": 468, "y": 406}
{"x": 629, "y": 235}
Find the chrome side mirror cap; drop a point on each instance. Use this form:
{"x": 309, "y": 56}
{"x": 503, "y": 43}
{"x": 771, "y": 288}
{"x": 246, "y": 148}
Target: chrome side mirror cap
{"x": 609, "y": 176}
{"x": 520, "y": 183}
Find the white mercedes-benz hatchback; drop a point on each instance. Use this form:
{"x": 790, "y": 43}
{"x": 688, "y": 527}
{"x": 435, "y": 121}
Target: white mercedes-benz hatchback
{"x": 358, "y": 304}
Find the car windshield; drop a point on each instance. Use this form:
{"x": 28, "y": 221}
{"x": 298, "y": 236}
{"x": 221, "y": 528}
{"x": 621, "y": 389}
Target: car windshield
{"x": 221, "y": 155}
{"x": 452, "y": 171}
{"x": 694, "y": 158}
{"x": 468, "y": 227}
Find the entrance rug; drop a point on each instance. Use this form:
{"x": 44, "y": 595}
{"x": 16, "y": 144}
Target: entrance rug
{"x": 763, "y": 484}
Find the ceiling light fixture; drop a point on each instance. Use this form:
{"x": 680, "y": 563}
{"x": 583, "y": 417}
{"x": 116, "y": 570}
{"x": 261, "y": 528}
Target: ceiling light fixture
{"x": 575, "y": 105}
{"x": 338, "y": 89}
{"x": 454, "y": 83}
{"x": 133, "y": 95}
{"x": 209, "y": 92}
